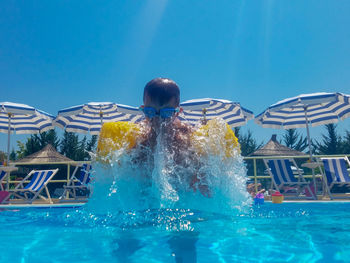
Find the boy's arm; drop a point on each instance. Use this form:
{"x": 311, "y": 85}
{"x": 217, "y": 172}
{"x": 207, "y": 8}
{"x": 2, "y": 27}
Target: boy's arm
{"x": 199, "y": 183}
{"x": 199, "y": 180}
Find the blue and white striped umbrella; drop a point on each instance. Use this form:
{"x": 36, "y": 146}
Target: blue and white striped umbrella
{"x": 89, "y": 117}
{"x": 304, "y": 110}
{"x": 22, "y": 119}
{"x": 199, "y": 110}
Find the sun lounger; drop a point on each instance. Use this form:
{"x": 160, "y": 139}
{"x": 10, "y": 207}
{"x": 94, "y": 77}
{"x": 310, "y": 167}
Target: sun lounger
{"x": 3, "y": 177}
{"x": 336, "y": 174}
{"x": 77, "y": 187}
{"x": 31, "y": 191}
{"x": 283, "y": 177}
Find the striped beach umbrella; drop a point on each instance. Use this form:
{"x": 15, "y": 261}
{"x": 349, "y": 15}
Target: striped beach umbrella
{"x": 201, "y": 110}
{"x": 22, "y": 119}
{"x": 304, "y": 110}
{"x": 90, "y": 117}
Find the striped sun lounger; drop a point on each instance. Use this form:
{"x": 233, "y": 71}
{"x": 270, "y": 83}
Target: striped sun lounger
{"x": 282, "y": 176}
{"x": 3, "y": 176}
{"x": 31, "y": 191}
{"x": 78, "y": 183}
{"x": 336, "y": 173}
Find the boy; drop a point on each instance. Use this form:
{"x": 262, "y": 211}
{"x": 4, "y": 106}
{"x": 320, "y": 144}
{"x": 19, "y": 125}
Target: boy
{"x": 161, "y": 100}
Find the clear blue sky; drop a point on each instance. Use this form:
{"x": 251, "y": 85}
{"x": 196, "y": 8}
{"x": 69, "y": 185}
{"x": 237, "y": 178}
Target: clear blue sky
{"x": 56, "y": 54}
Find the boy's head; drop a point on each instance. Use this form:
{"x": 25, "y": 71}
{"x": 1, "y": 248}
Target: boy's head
{"x": 161, "y": 93}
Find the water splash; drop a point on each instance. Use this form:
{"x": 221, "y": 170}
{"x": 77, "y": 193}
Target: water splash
{"x": 160, "y": 176}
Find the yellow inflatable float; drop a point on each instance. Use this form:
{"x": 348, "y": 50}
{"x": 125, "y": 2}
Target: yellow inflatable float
{"x": 117, "y": 135}
{"x": 215, "y": 136}
{"x": 209, "y": 139}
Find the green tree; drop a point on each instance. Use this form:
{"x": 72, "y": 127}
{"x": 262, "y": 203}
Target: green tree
{"x": 237, "y": 131}
{"x": 247, "y": 142}
{"x": 294, "y": 140}
{"x": 81, "y": 151}
{"x": 36, "y": 142}
{"x": 248, "y": 146}
{"x": 77, "y": 150}
{"x": 346, "y": 143}
{"x": 331, "y": 142}
{"x": 13, "y": 155}
{"x": 49, "y": 137}
{"x": 70, "y": 145}
{"x": 3, "y": 157}
{"x": 21, "y": 150}
{"x": 91, "y": 145}
{"x": 32, "y": 145}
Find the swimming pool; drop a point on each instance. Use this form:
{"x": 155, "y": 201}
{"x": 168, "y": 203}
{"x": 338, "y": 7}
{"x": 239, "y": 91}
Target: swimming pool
{"x": 288, "y": 232}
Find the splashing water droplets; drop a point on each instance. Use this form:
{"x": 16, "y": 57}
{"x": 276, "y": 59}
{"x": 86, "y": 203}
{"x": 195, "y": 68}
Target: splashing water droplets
{"x": 162, "y": 175}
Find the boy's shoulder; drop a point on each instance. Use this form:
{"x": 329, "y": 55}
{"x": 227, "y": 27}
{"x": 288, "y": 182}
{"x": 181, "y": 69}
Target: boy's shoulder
{"x": 183, "y": 127}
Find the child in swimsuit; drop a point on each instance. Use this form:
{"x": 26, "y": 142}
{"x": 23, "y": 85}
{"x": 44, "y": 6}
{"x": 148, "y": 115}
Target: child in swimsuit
{"x": 161, "y": 100}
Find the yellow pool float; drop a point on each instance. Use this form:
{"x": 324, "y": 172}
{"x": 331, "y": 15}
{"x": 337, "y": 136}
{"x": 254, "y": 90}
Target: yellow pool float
{"x": 213, "y": 137}
{"x": 117, "y": 135}
{"x": 208, "y": 139}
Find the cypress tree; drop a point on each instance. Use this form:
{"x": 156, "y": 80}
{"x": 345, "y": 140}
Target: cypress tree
{"x": 69, "y": 145}
{"x": 331, "y": 142}
{"x": 294, "y": 140}
{"x": 346, "y": 143}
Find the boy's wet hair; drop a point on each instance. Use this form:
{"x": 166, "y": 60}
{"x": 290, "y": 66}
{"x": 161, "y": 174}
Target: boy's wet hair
{"x": 162, "y": 90}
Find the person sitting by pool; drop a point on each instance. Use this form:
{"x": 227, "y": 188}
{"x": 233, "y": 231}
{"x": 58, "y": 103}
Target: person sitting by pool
{"x": 161, "y": 100}
{"x": 258, "y": 192}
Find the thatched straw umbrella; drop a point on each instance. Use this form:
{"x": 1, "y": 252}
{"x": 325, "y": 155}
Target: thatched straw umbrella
{"x": 274, "y": 148}
{"x": 46, "y": 155}
{"x": 47, "y": 158}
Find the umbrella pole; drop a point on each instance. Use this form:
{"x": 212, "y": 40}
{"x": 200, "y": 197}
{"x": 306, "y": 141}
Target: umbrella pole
{"x": 204, "y": 111}
{"x": 8, "y": 150}
{"x": 310, "y": 149}
{"x": 8, "y": 140}
{"x": 101, "y": 117}
{"x": 308, "y": 137}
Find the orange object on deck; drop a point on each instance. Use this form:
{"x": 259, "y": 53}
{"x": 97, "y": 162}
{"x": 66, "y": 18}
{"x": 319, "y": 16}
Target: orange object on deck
{"x": 277, "y": 198}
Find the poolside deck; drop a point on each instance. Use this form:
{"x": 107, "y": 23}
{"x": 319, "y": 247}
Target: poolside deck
{"x": 56, "y": 203}
{"x": 320, "y": 199}
{"x": 314, "y": 201}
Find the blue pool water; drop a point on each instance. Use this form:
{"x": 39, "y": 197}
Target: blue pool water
{"x": 288, "y": 232}
{"x": 146, "y": 208}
